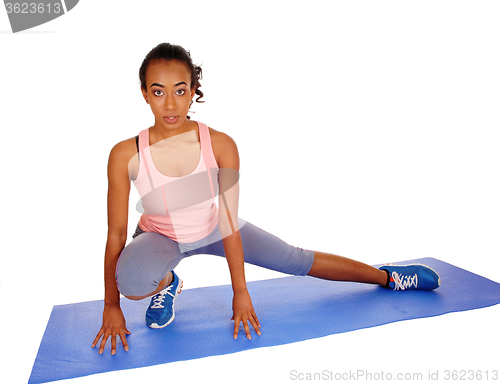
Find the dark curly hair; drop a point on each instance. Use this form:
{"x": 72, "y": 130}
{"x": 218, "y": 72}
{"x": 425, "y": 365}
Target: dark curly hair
{"x": 167, "y": 51}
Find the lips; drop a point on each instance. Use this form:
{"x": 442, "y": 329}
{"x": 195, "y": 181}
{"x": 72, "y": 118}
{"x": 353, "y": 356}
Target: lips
{"x": 171, "y": 119}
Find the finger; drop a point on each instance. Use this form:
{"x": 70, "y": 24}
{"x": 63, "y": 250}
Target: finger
{"x": 124, "y": 339}
{"x": 96, "y": 340}
{"x": 113, "y": 344}
{"x": 256, "y": 319}
{"x": 236, "y": 328}
{"x": 255, "y": 325}
{"x": 254, "y": 316}
{"x": 247, "y": 329}
{"x": 103, "y": 342}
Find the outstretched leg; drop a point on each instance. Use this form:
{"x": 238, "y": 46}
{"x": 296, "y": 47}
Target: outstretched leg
{"x": 268, "y": 251}
{"x": 397, "y": 277}
{"x": 332, "y": 267}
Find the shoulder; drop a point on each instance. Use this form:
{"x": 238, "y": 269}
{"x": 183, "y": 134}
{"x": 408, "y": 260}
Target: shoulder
{"x": 121, "y": 154}
{"x": 225, "y": 149}
{"x": 221, "y": 138}
{"x": 124, "y": 147}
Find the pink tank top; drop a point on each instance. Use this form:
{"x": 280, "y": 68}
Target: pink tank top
{"x": 182, "y": 208}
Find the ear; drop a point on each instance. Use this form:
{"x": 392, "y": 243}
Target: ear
{"x": 145, "y": 95}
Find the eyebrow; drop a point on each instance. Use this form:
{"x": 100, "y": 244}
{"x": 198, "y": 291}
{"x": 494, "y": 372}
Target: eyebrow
{"x": 162, "y": 86}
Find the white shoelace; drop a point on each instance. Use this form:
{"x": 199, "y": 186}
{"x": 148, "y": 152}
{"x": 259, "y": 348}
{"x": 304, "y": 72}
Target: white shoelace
{"x": 402, "y": 282}
{"x": 160, "y": 297}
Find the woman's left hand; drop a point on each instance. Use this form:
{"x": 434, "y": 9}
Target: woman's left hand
{"x": 243, "y": 312}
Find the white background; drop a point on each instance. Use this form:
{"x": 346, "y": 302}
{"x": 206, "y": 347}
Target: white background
{"x": 365, "y": 128}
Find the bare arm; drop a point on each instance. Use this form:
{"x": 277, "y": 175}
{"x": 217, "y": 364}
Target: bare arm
{"x": 228, "y": 160}
{"x": 118, "y": 195}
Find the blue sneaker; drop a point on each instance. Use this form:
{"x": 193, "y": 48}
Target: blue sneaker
{"x": 160, "y": 312}
{"x": 413, "y": 276}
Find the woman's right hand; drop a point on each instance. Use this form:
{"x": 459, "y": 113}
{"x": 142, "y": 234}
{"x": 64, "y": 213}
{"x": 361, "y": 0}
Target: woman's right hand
{"x": 113, "y": 324}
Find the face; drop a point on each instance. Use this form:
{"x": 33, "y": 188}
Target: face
{"x": 168, "y": 93}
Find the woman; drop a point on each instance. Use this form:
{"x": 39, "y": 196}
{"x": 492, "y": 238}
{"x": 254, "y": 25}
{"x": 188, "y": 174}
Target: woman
{"x": 179, "y": 167}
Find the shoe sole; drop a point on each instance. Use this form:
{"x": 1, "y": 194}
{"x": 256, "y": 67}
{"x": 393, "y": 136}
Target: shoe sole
{"x": 179, "y": 289}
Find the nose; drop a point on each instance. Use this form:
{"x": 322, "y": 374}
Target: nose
{"x": 169, "y": 102}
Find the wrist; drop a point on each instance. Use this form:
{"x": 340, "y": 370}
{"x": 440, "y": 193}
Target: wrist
{"x": 111, "y": 303}
{"x": 240, "y": 289}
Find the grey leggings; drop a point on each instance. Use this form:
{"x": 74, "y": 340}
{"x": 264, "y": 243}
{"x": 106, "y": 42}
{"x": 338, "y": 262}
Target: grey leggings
{"x": 147, "y": 259}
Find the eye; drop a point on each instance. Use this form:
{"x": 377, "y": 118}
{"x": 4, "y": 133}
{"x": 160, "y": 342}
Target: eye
{"x": 181, "y": 92}
{"x": 157, "y": 92}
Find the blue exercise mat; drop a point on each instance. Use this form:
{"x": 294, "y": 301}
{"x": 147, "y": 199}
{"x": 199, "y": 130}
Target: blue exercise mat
{"x": 287, "y": 307}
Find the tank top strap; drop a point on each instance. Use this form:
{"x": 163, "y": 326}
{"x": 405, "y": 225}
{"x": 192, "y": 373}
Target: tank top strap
{"x": 206, "y": 147}
{"x": 208, "y": 157}
{"x": 143, "y": 157}
{"x": 143, "y": 139}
